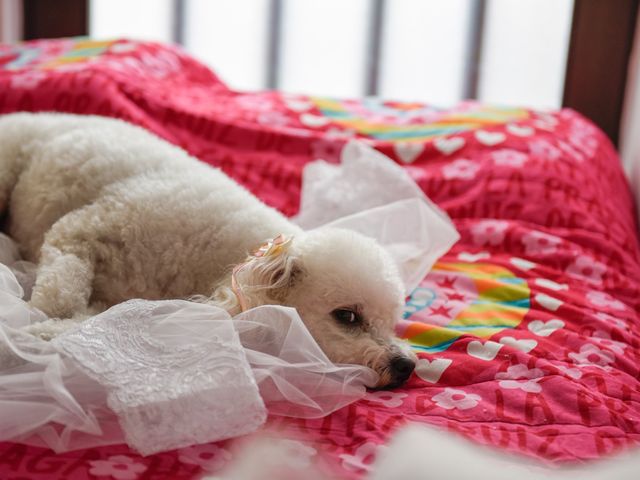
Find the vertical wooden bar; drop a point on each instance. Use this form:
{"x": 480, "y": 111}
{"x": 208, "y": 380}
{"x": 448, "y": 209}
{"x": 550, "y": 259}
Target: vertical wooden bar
{"x": 599, "y": 50}
{"x": 52, "y": 19}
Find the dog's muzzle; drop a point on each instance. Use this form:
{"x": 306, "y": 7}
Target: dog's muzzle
{"x": 401, "y": 369}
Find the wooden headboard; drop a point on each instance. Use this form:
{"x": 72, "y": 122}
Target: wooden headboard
{"x": 602, "y": 36}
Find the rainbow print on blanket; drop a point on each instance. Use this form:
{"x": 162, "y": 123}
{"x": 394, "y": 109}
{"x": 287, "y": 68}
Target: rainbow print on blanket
{"x": 403, "y": 121}
{"x": 48, "y": 55}
{"x": 463, "y": 298}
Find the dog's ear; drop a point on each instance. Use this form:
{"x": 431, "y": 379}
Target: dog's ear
{"x": 276, "y": 274}
{"x": 269, "y": 274}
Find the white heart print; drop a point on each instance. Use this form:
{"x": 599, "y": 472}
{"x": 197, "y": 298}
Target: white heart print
{"x": 448, "y": 145}
{"x": 524, "y": 345}
{"x": 544, "y": 329}
{"x": 408, "y": 151}
{"x": 520, "y": 130}
{"x": 521, "y": 263}
{"x": 431, "y": 371}
{"x": 490, "y": 138}
{"x": 550, "y": 303}
{"x": 311, "y": 120}
{"x": 484, "y": 351}
{"x": 550, "y": 284}
{"x": 473, "y": 257}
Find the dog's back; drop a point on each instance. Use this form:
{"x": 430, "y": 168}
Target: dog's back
{"x": 145, "y": 218}
{"x": 52, "y": 164}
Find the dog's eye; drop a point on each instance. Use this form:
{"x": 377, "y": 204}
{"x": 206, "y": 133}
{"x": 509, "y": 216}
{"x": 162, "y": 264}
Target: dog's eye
{"x": 346, "y": 316}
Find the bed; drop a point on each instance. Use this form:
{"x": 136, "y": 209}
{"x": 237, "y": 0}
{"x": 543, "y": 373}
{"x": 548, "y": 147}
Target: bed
{"x": 527, "y": 330}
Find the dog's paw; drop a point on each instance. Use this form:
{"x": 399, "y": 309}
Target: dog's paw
{"x": 51, "y": 328}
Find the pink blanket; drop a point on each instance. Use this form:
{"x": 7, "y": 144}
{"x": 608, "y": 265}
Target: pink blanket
{"x": 527, "y": 331}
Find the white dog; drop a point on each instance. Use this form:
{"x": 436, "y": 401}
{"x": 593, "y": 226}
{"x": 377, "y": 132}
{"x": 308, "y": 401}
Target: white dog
{"x": 110, "y": 212}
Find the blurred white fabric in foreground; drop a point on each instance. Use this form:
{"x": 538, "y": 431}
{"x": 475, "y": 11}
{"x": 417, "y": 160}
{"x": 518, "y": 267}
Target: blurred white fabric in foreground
{"x": 167, "y": 374}
{"x": 420, "y": 453}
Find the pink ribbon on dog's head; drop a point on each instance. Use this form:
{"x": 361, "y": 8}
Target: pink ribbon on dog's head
{"x": 272, "y": 247}
{"x": 268, "y": 249}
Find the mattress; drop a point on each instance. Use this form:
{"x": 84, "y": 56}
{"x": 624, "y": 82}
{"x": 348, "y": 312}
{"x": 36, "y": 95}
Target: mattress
{"x": 527, "y": 331}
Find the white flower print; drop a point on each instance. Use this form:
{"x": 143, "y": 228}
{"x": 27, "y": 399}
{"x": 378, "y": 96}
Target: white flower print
{"x": 521, "y": 377}
{"x": 570, "y": 151}
{"x": 603, "y": 339}
{"x": 590, "y": 355}
{"x": 540, "y": 243}
{"x": 387, "y": 398}
{"x": 362, "y": 458}
{"x": 120, "y": 467}
{"x": 208, "y": 456}
{"x": 582, "y": 126}
{"x": 509, "y": 158}
{"x": 574, "y": 373}
{"x": 458, "y": 399}
{"x": 611, "y": 320}
{"x": 583, "y": 137}
{"x": 586, "y": 268}
{"x": 490, "y": 232}
{"x": 461, "y": 168}
{"x": 602, "y": 299}
{"x": 545, "y": 150}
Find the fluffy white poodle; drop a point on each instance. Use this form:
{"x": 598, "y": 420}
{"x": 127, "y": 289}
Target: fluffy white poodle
{"x": 111, "y": 212}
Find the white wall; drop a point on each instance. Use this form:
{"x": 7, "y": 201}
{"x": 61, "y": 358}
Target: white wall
{"x": 525, "y": 52}
{"x": 424, "y": 50}
{"x": 135, "y": 19}
{"x": 230, "y": 36}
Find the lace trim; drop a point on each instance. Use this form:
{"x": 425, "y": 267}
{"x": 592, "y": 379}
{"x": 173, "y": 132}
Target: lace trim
{"x": 169, "y": 387}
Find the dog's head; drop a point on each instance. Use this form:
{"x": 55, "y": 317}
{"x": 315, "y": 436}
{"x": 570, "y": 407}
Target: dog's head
{"x": 347, "y": 290}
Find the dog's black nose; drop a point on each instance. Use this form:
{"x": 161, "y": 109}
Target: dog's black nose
{"x": 401, "y": 368}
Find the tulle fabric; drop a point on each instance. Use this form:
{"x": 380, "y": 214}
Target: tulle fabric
{"x": 371, "y": 194}
{"x": 160, "y": 375}
{"x": 40, "y": 390}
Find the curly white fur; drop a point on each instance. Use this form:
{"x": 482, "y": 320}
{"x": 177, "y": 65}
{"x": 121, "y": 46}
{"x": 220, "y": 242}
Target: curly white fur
{"x": 111, "y": 212}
